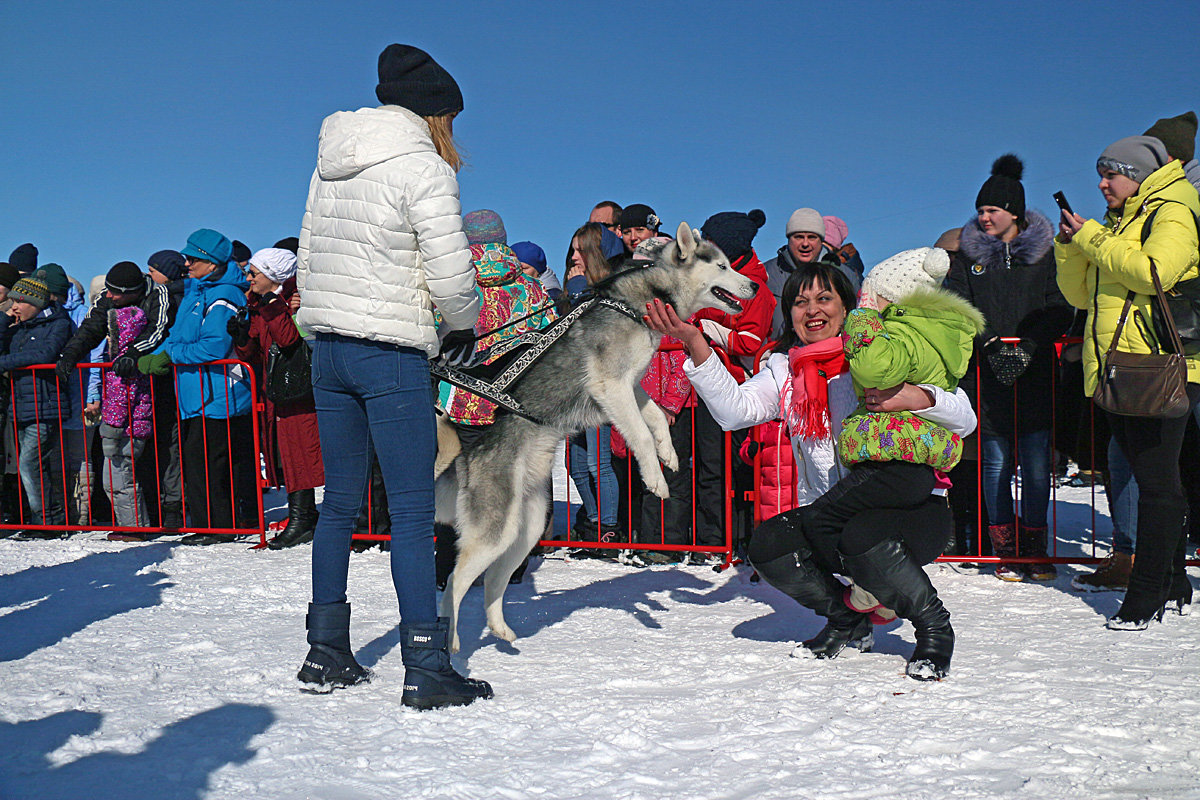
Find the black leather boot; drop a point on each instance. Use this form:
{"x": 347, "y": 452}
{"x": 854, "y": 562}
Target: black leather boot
{"x": 329, "y": 663}
{"x": 430, "y": 680}
{"x": 302, "y": 520}
{"x": 897, "y": 580}
{"x": 796, "y": 576}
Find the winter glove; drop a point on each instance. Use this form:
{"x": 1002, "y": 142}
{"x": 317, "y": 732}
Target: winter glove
{"x": 238, "y": 327}
{"x": 125, "y": 366}
{"x": 458, "y": 350}
{"x": 65, "y": 368}
{"x": 154, "y": 364}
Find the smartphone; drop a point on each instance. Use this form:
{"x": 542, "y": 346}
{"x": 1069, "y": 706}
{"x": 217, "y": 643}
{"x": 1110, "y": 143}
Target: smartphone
{"x": 1061, "y": 199}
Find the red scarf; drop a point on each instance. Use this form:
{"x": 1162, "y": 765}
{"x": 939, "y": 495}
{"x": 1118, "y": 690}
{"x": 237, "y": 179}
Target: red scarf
{"x": 813, "y": 365}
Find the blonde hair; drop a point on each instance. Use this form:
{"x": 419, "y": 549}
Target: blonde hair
{"x": 441, "y": 130}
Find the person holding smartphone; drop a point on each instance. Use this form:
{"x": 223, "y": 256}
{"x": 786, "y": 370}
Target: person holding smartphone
{"x": 1099, "y": 265}
{"x": 1005, "y": 268}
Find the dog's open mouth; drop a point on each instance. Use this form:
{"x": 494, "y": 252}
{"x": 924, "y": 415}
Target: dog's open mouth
{"x": 726, "y": 297}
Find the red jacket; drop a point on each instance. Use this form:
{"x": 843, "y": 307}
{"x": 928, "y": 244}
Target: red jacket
{"x": 291, "y": 426}
{"x": 750, "y": 329}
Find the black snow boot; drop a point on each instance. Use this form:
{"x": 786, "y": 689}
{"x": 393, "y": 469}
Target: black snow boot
{"x": 302, "y": 520}
{"x": 430, "y": 680}
{"x": 800, "y": 579}
{"x": 329, "y": 663}
{"x": 897, "y": 580}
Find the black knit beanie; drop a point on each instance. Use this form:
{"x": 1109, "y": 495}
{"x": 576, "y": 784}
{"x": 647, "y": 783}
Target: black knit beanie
{"x": 1004, "y": 189}
{"x": 1178, "y": 135}
{"x": 169, "y": 263}
{"x": 733, "y": 231}
{"x": 241, "y": 253}
{"x": 290, "y": 243}
{"x": 24, "y": 259}
{"x": 125, "y": 277}
{"x": 409, "y": 77}
{"x": 8, "y": 275}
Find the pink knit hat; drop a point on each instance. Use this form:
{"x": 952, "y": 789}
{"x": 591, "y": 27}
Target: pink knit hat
{"x": 836, "y": 231}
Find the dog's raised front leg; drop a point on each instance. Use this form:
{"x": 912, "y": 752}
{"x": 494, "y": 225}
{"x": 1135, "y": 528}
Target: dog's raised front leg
{"x": 616, "y": 400}
{"x": 660, "y": 428}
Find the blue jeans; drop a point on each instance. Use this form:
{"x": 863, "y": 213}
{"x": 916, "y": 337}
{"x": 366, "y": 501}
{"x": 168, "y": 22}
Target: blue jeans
{"x": 39, "y": 445}
{"x": 367, "y": 391}
{"x": 1123, "y": 505}
{"x": 591, "y": 459}
{"x": 1033, "y": 448}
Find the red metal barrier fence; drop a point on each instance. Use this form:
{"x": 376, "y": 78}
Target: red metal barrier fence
{"x": 631, "y": 537}
{"x": 52, "y": 477}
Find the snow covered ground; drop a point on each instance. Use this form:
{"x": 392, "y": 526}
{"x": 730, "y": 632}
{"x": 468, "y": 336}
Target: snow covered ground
{"x": 159, "y": 671}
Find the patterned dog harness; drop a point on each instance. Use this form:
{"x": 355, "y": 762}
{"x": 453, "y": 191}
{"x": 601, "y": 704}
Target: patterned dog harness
{"x": 510, "y": 359}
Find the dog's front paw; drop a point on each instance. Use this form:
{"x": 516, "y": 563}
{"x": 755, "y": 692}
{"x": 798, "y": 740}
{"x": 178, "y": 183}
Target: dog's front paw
{"x": 453, "y": 648}
{"x": 668, "y": 458}
{"x": 657, "y": 484}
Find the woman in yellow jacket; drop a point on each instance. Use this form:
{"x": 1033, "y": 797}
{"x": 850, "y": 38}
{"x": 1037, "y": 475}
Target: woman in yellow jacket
{"x": 1098, "y": 265}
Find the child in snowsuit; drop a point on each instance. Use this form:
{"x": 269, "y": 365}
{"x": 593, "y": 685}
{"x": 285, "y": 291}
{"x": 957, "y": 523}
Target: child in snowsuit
{"x": 126, "y": 413}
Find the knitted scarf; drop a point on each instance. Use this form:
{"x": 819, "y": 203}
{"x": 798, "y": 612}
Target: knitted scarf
{"x": 811, "y": 367}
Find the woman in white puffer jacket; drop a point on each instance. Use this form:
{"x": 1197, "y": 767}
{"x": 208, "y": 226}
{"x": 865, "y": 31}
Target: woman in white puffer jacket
{"x": 382, "y": 245}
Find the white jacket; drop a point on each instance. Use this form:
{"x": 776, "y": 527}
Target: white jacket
{"x": 382, "y": 241}
{"x": 756, "y": 401}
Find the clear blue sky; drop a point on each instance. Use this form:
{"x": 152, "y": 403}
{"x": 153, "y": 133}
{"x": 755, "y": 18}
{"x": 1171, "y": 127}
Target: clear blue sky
{"x": 125, "y": 126}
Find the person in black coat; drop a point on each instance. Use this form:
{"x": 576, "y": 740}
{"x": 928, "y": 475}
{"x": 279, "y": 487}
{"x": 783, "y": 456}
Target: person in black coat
{"x": 1005, "y": 268}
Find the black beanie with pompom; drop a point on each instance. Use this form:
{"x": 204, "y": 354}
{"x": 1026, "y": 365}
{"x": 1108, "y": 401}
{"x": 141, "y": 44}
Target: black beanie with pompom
{"x": 733, "y": 231}
{"x": 1004, "y": 189}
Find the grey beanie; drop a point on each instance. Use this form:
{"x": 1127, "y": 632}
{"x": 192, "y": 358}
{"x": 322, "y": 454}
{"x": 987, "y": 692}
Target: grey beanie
{"x": 807, "y": 220}
{"x": 1135, "y": 157}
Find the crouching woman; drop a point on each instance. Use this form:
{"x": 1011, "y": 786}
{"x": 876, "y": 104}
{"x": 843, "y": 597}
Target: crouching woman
{"x": 878, "y": 523}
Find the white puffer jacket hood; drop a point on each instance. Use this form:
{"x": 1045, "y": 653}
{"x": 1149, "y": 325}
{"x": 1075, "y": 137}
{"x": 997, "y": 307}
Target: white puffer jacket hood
{"x": 382, "y": 240}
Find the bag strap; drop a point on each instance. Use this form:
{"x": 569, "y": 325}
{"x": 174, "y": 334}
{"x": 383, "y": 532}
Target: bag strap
{"x": 1168, "y": 317}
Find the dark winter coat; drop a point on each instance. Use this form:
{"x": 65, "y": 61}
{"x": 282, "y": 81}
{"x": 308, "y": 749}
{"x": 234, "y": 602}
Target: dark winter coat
{"x": 292, "y": 427}
{"x": 156, "y": 303}
{"x": 780, "y": 268}
{"x": 37, "y": 341}
{"x": 1014, "y": 285}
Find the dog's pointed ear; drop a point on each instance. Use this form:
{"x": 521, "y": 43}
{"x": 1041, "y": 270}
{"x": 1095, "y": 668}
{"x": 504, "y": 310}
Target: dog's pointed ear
{"x": 685, "y": 240}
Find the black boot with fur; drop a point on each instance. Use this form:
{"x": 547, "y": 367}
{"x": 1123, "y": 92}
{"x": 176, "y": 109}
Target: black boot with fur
{"x": 890, "y": 573}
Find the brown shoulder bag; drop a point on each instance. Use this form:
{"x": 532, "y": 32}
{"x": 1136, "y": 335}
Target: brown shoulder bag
{"x": 1142, "y": 384}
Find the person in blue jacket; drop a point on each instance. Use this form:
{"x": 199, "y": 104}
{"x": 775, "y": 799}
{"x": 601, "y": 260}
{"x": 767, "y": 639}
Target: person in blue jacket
{"x": 214, "y": 400}
{"x": 34, "y": 333}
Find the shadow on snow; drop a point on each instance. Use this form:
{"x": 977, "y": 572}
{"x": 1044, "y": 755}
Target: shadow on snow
{"x": 45, "y": 605}
{"x": 175, "y": 765}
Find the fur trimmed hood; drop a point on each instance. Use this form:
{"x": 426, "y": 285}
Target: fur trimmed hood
{"x": 1030, "y": 246}
{"x": 938, "y": 302}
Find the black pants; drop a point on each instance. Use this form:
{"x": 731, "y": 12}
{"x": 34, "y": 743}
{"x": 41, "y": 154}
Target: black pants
{"x": 876, "y": 501}
{"x": 1152, "y": 447}
{"x": 670, "y": 521}
{"x": 214, "y": 450}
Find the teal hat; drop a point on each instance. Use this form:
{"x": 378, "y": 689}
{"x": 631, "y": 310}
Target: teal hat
{"x": 208, "y": 245}
{"x": 55, "y": 278}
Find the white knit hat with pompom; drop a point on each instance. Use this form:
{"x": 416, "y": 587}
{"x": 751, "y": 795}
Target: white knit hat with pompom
{"x": 896, "y": 277}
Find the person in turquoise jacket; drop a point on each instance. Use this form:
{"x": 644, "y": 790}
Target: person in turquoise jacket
{"x": 214, "y": 400}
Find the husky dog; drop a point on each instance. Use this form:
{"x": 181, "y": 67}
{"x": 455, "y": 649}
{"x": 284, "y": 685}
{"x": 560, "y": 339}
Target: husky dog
{"x": 494, "y": 492}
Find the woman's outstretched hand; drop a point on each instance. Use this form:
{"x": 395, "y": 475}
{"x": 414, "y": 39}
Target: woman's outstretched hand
{"x": 662, "y": 318}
